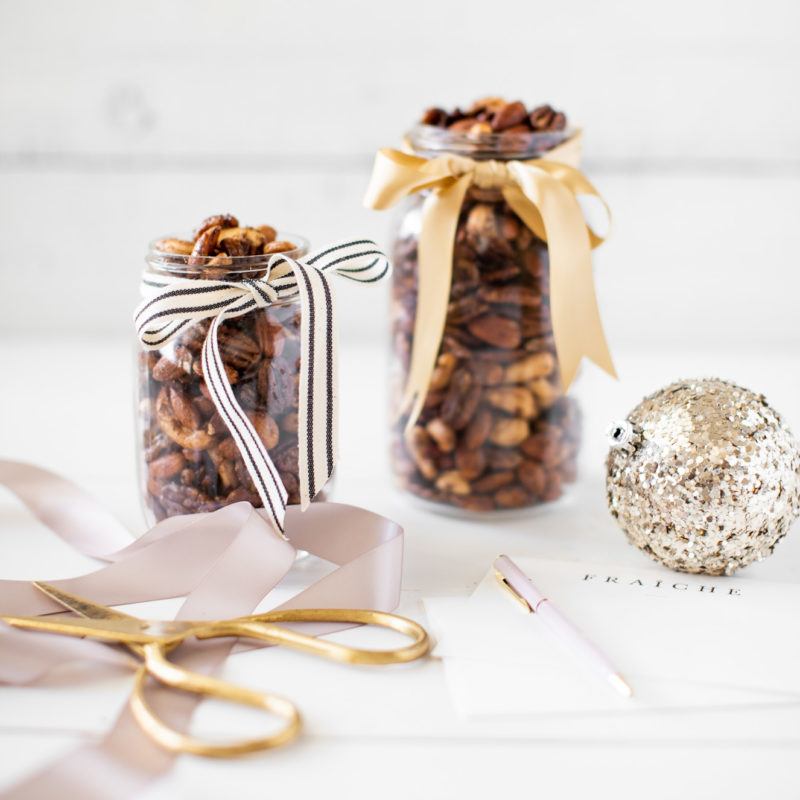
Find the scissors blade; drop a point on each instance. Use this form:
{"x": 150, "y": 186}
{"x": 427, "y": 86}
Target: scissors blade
{"x": 80, "y": 605}
{"x": 105, "y": 619}
{"x": 127, "y": 631}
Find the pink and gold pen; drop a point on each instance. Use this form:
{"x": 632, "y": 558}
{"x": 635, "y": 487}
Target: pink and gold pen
{"x": 512, "y": 578}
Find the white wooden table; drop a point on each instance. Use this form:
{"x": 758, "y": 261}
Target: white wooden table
{"x": 387, "y": 733}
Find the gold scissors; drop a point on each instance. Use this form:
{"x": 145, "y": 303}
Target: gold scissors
{"x": 153, "y": 640}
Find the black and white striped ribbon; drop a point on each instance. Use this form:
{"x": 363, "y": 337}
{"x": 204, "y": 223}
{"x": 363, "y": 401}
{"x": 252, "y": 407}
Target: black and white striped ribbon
{"x": 173, "y": 304}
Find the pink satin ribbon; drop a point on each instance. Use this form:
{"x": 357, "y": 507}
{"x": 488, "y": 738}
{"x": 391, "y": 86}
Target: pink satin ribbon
{"x": 225, "y": 563}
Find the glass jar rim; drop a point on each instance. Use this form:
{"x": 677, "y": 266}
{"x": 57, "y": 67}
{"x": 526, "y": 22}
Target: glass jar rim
{"x": 430, "y": 141}
{"x": 173, "y": 263}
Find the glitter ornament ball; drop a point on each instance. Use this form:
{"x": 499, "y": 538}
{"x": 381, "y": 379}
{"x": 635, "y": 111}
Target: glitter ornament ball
{"x": 703, "y": 476}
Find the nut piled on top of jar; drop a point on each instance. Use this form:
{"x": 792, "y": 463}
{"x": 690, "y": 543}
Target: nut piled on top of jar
{"x": 495, "y": 115}
{"x": 190, "y": 462}
{"x": 496, "y": 430}
{"x": 216, "y": 242}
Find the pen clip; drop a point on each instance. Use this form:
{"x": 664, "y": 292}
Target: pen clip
{"x": 503, "y": 581}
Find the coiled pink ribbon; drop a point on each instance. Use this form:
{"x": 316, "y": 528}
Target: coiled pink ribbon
{"x": 225, "y": 563}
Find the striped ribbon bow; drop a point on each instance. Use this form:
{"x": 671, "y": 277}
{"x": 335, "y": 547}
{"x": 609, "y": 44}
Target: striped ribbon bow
{"x": 172, "y": 304}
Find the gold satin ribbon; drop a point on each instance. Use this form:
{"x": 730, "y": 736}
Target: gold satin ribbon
{"x": 543, "y": 194}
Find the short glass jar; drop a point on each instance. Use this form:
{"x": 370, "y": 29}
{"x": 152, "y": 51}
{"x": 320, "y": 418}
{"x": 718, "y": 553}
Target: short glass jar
{"x": 188, "y": 461}
{"x": 496, "y": 431}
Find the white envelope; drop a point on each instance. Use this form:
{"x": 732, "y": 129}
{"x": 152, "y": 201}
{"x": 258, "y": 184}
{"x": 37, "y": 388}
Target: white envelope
{"x": 681, "y": 641}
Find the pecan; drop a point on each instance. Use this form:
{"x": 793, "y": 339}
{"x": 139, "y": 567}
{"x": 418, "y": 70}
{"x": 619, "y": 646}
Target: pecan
{"x": 241, "y": 493}
{"x": 546, "y": 393}
{"x": 269, "y": 334}
{"x": 166, "y": 370}
{"x": 269, "y": 233}
{"x": 501, "y": 458}
{"x": 235, "y": 246}
{"x": 509, "y": 227}
{"x": 452, "y": 481}
{"x": 184, "y": 409}
{"x": 512, "y": 497}
{"x": 481, "y": 222}
{"x": 494, "y": 481}
{"x": 227, "y": 475}
{"x": 461, "y": 125}
{"x": 281, "y": 386}
{"x": 488, "y": 373}
{"x": 471, "y": 463}
{"x": 221, "y": 220}
{"x": 266, "y": 428}
{"x": 516, "y": 400}
{"x": 512, "y": 295}
{"x": 278, "y": 247}
{"x": 421, "y": 449}
{"x": 204, "y": 246}
{"x": 532, "y": 476}
{"x": 228, "y": 448}
{"x": 496, "y": 330}
{"x": 443, "y": 371}
{"x": 230, "y": 372}
{"x": 434, "y": 116}
{"x": 460, "y": 400}
{"x": 540, "y": 447}
{"x": 166, "y": 466}
{"x": 442, "y": 434}
{"x": 474, "y": 502}
{"x": 178, "y": 247}
{"x": 465, "y": 309}
{"x": 509, "y": 432}
{"x": 508, "y": 115}
{"x": 249, "y": 240}
{"x": 480, "y": 128}
{"x": 477, "y": 431}
{"x": 538, "y": 365}
{"x": 237, "y": 348}
{"x": 541, "y": 118}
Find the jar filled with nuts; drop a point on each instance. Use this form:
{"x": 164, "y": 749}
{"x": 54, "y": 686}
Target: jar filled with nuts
{"x": 494, "y": 430}
{"x": 189, "y": 461}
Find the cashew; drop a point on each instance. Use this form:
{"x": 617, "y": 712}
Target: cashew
{"x": 171, "y": 425}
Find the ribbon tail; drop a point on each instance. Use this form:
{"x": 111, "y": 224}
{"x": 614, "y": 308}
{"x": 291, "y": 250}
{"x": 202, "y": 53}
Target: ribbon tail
{"x": 318, "y": 398}
{"x": 435, "y": 270}
{"x": 259, "y": 465}
{"x": 577, "y": 328}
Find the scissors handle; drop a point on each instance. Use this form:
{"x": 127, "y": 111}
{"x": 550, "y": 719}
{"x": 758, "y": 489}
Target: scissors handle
{"x": 266, "y": 627}
{"x": 157, "y": 665}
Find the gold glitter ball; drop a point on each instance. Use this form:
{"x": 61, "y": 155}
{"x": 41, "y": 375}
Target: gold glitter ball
{"x": 703, "y": 476}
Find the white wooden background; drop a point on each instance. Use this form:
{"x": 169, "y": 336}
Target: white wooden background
{"x": 120, "y": 121}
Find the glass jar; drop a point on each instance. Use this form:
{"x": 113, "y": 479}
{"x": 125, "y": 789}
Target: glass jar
{"x": 496, "y": 430}
{"x": 188, "y": 461}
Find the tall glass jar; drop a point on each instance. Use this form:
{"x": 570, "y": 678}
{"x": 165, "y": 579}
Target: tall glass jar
{"x": 496, "y": 431}
{"x": 188, "y": 461}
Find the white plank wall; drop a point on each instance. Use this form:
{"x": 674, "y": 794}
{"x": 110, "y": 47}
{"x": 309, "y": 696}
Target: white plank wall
{"x": 120, "y": 121}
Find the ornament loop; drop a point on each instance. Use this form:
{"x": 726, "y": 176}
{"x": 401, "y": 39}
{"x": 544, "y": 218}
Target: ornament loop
{"x": 619, "y": 433}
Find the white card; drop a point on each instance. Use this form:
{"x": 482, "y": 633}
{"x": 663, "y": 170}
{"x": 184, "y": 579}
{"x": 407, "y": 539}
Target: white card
{"x": 680, "y": 640}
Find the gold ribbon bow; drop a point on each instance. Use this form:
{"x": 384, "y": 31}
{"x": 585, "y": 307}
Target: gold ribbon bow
{"x": 543, "y": 194}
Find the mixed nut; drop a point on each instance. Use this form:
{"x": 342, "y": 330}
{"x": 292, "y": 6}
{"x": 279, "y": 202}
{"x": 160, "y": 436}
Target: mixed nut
{"x": 495, "y": 115}
{"x": 218, "y": 244}
{"x": 190, "y": 461}
{"x": 496, "y": 430}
